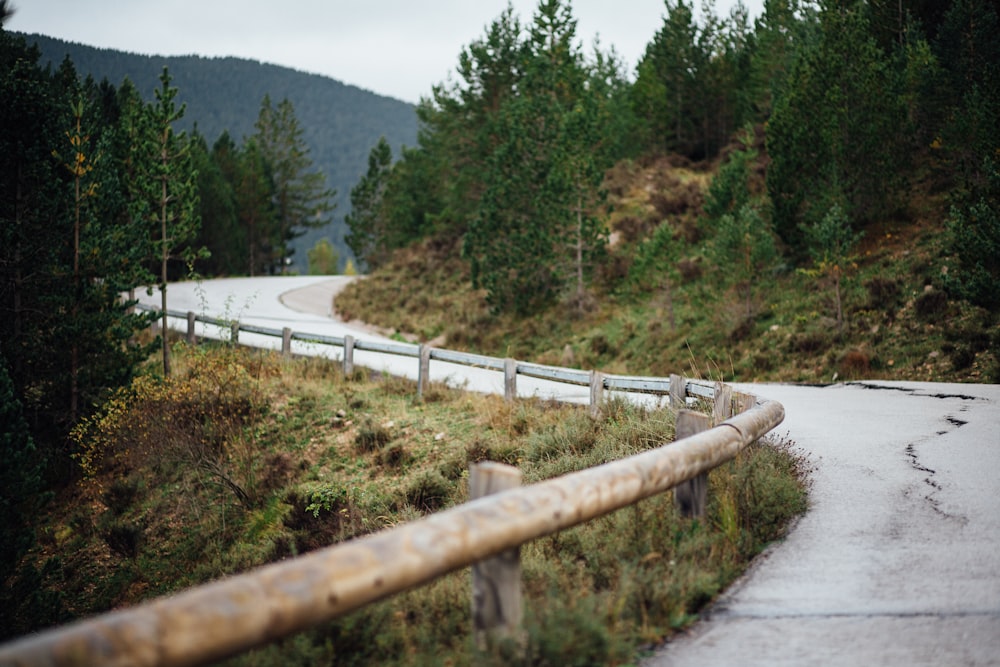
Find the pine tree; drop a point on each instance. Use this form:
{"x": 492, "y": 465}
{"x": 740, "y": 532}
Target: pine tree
{"x": 165, "y": 194}
{"x": 743, "y": 244}
{"x": 969, "y": 54}
{"x": 300, "y": 198}
{"x": 369, "y": 238}
{"x": 744, "y": 248}
{"x": 220, "y": 232}
{"x": 839, "y": 129}
{"x": 830, "y": 242}
{"x": 974, "y": 230}
{"x": 535, "y": 233}
{"x": 67, "y": 248}
{"x": 255, "y": 211}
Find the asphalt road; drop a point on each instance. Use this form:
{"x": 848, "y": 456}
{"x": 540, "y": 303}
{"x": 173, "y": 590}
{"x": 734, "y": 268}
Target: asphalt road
{"x": 897, "y": 561}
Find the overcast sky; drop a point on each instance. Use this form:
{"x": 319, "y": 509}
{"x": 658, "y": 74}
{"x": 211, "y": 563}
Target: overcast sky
{"x": 399, "y": 48}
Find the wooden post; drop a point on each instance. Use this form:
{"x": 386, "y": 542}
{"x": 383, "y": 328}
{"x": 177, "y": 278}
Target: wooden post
{"x": 234, "y": 328}
{"x": 509, "y": 379}
{"x": 286, "y": 342}
{"x": 691, "y": 497}
{"x": 348, "y": 355}
{"x": 496, "y": 581}
{"x": 192, "y": 339}
{"x": 678, "y": 392}
{"x": 423, "y": 373}
{"x": 723, "y": 409}
{"x": 596, "y": 393}
{"x": 743, "y": 402}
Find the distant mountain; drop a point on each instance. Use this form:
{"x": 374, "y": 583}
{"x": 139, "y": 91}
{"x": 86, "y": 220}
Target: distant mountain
{"x": 341, "y": 123}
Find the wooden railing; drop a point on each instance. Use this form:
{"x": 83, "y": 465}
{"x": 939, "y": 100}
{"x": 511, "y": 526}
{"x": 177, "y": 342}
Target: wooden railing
{"x": 598, "y": 382}
{"x": 233, "y": 615}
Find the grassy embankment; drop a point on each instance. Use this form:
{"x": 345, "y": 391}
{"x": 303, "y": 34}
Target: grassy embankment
{"x": 899, "y": 323}
{"x": 244, "y": 458}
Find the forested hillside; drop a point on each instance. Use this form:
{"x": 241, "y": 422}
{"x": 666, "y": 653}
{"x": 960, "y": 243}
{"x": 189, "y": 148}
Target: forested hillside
{"x": 340, "y": 123}
{"x": 810, "y": 195}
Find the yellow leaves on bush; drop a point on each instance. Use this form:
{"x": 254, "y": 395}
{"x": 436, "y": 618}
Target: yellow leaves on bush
{"x": 190, "y": 418}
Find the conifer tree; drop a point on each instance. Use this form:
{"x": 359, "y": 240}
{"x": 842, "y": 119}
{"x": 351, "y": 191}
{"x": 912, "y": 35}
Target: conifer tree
{"x": 369, "y": 238}
{"x": 67, "y": 252}
{"x": 220, "y": 232}
{"x": 743, "y": 243}
{"x": 974, "y": 230}
{"x": 830, "y": 242}
{"x": 534, "y": 229}
{"x": 300, "y": 198}
{"x": 254, "y": 206}
{"x": 165, "y": 193}
{"x": 839, "y": 127}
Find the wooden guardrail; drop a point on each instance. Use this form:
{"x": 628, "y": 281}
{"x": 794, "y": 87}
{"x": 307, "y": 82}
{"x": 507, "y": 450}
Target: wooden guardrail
{"x": 233, "y": 615}
{"x": 598, "y": 382}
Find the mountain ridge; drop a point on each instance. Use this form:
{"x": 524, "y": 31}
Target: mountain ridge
{"x": 340, "y": 121}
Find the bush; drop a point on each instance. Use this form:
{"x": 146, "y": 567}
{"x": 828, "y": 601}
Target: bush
{"x": 883, "y": 294}
{"x": 123, "y": 538}
{"x": 196, "y": 420}
{"x": 371, "y": 437}
{"x": 120, "y": 495}
{"x": 932, "y": 305}
{"x": 429, "y": 492}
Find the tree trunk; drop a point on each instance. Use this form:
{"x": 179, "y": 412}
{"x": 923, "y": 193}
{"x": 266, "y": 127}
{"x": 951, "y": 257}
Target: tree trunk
{"x": 163, "y": 260}
{"x": 579, "y": 254}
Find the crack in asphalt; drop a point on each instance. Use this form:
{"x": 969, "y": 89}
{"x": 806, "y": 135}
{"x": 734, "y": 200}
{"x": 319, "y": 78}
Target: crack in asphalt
{"x": 913, "y": 391}
{"x": 911, "y": 453}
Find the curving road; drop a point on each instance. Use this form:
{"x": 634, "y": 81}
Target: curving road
{"x": 896, "y": 563}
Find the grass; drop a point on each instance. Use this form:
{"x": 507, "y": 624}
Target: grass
{"x": 329, "y": 458}
{"x": 899, "y": 323}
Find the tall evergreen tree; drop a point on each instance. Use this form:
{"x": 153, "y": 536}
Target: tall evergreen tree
{"x": 220, "y": 232}
{"x": 534, "y": 220}
{"x": 300, "y": 198}
{"x": 742, "y": 242}
{"x": 165, "y": 194}
{"x": 969, "y": 53}
{"x": 369, "y": 238}
{"x": 65, "y": 257}
{"x": 490, "y": 70}
{"x": 666, "y": 79}
{"x": 839, "y": 130}
{"x": 253, "y": 187}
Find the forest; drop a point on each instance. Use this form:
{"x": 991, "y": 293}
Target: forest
{"x": 820, "y": 124}
{"x": 223, "y": 95}
{"x": 851, "y": 103}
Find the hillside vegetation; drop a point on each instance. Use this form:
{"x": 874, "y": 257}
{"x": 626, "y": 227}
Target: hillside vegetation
{"x": 243, "y": 458}
{"x": 899, "y": 323}
{"x": 812, "y": 197}
{"x": 340, "y": 122}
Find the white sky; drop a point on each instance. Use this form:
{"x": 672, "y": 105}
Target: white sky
{"x": 399, "y": 48}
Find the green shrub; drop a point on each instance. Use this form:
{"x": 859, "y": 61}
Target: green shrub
{"x": 429, "y": 492}
{"x": 371, "y": 437}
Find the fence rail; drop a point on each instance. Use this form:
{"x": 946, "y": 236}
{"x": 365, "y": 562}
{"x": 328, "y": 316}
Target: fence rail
{"x": 233, "y": 615}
